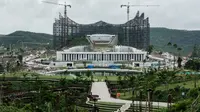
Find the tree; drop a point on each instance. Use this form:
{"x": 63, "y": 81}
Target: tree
{"x": 89, "y": 74}
{"x": 1, "y": 68}
{"x": 175, "y": 46}
{"x": 120, "y": 82}
{"x": 169, "y": 44}
{"x": 195, "y": 53}
{"x": 10, "y": 109}
{"x": 150, "y": 49}
{"x": 193, "y": 64}
{"x": 179, "y": 61}
{"x": 84, "y": 64}
{"x": 20, "y": 58}
{"x": 8, "y": 66}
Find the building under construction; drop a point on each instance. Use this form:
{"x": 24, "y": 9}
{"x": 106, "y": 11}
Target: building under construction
{"x": 135, "y": 32}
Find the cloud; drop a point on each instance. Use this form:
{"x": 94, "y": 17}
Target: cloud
{"x": 33, "y": 15}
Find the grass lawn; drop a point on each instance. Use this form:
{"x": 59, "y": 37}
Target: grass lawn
{"x": 188, "y": 84}
{"x": 111, "y": 103}
{"x": 126, "y": 96}
{"x": 40, "y": 76}
{"x": 56, "y": 77}
{"x": 111, "y": 78}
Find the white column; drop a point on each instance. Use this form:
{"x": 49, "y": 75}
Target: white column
{"x": 89, "y": 57}
{"x": 136, "y": 57}
{"x": 132, "y": 56}
{"x": 67, "y": 57}
{"x": 96, "y": 57}
{"x": 79, "y": 56}
{"x": 106, "y": 57}
{"x": 72, "y": 57}
{"x": 143, "y": 57}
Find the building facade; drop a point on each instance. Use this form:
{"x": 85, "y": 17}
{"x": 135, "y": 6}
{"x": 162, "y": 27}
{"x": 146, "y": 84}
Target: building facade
{"x": 134, "y": 33}
{"x": 102, "y": 48}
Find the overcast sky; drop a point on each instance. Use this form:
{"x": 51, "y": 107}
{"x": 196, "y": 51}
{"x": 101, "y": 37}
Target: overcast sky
{"x": 35, "y": 16}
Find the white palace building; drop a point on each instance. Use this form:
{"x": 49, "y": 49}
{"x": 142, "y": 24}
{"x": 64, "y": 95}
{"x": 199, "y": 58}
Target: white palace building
{"x": 103, "y": 48}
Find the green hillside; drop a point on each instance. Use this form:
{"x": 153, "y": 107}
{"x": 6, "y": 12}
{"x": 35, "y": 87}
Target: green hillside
{"x": 185, "y": 39}
{"x": 29, "y": 38}
{"x": 159, "y": 38}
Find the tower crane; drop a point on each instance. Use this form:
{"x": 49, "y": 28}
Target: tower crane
{"x": 128, "y": 8}
{"x": 128, "y": 13}
{"x": 64, "y": 36}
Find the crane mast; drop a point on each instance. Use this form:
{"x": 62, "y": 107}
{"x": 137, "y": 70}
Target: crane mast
{"x": 64, "y": 34}
{"x": 128, "y": 15}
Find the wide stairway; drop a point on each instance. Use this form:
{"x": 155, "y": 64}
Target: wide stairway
{"x": 106, "y": 103}
{"x": 101, "y": 89}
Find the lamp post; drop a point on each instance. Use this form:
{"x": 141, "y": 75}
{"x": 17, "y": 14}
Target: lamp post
{"x": 169, "y": 101}
{"x": 150, "y": 91}
{"x": 133, "y": 91}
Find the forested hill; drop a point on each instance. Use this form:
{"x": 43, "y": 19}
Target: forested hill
{"x": 159, "y": 38}
{"x": 185, "y": 39}
{"x": 25, "y": 36}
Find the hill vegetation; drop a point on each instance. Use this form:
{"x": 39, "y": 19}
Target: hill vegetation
{"x": 184, "y": 39}
{"x": 159, "y": 39}
{"x": 29, "y": 39}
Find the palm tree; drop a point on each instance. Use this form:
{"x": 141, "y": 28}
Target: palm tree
{"x": 169, "y": 44}
{"x": 175, "y": 46}
{"x": 144, "y": 61}
{"x": 20, "y": 58}
{"x": 89, "y": 74}
{"x": 150, "y": 49}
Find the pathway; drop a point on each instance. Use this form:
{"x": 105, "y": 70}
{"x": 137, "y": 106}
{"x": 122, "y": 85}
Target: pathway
{"x": 101, "y": 89}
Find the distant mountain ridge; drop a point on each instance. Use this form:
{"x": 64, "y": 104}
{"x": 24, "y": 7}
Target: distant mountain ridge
{"x": 159, "y": 38}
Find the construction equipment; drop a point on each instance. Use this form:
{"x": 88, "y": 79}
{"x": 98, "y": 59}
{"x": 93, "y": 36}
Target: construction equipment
{"x": 128, "y": 12}
{"x": 64, "y": 36}
{"x": 128, "y": 8}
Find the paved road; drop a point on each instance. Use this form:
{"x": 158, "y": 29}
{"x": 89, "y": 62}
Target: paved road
{"x": 101, "y": 89}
